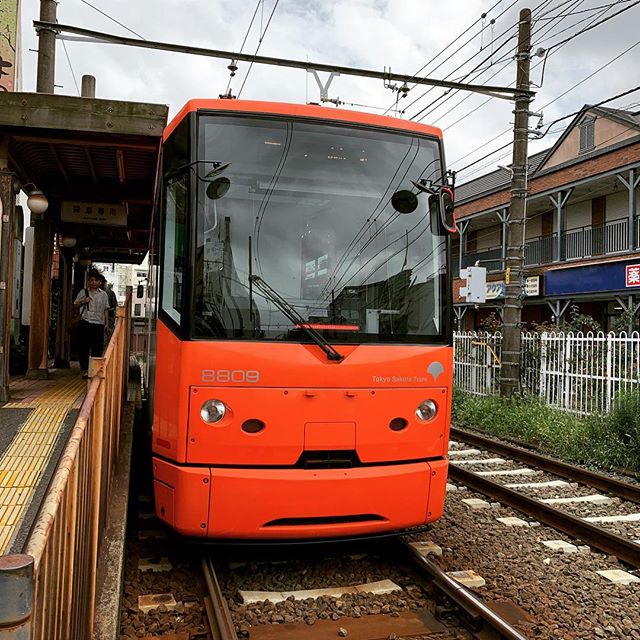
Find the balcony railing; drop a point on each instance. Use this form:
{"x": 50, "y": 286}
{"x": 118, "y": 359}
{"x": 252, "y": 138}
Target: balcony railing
{"x": 585, "y": 242}
{"x": 540, "y": 250}
{"x": 489, "y": 258}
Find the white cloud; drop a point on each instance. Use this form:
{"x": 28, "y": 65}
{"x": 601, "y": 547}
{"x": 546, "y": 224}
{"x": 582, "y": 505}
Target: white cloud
{"x": 403, "y": 34}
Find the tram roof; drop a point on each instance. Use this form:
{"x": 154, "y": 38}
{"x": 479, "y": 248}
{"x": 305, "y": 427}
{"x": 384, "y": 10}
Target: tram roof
{"x": 302, "y": 111}
{"x": 92, "y": 151}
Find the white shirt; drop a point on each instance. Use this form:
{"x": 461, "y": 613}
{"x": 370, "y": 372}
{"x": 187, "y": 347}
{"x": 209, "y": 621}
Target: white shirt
{"x": 93, "y": 312}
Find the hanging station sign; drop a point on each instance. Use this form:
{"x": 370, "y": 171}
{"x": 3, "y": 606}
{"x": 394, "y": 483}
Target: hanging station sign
{"x": 112, "y": 215}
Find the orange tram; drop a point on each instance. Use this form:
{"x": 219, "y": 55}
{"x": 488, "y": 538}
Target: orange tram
{"x": 300, "y": 361}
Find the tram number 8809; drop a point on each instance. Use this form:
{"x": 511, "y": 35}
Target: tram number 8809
{"x": 237, "y": 376}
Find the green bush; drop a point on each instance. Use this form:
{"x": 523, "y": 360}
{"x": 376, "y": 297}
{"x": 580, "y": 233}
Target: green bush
{"x": 609, "y": 442}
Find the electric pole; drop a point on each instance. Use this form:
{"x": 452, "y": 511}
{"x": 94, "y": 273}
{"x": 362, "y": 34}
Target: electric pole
{"x": 46, "y": 48}
{"x": 512, "y": 320}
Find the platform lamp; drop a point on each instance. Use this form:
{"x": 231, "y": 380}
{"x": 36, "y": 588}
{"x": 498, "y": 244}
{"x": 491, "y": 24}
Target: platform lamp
{"x": 68, "y": 242}
{"x": 36, "y": 200}
{"x": 84, "y": 259}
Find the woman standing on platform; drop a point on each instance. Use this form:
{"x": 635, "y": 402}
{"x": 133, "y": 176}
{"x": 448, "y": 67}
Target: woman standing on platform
{"x": 94, "y": 308}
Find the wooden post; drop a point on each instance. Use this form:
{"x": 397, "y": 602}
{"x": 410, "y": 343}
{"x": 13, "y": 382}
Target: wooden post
{"x": 7, "y": 201}
{"x": 46, "y": 49}
{"x": 88, "y": 87}
{"x": 40, "y": 299}
{"x": 511, "y": 342}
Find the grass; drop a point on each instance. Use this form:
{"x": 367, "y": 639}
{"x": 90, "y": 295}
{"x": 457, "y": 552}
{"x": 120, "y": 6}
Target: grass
{"x": 603, "y": 441}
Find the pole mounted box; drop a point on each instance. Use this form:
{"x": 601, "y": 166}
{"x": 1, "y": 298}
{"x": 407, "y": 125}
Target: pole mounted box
{"x": 476, "y": 289}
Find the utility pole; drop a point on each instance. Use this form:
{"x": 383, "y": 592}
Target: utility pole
{"x": 511, "y": 341}
{"x": 46, "y": 48}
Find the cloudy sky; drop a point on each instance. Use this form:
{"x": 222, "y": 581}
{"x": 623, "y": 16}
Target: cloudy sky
{"x": 405, "y": 35}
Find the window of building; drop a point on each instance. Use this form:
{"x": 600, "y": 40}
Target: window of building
{"x": 587, "y": 136}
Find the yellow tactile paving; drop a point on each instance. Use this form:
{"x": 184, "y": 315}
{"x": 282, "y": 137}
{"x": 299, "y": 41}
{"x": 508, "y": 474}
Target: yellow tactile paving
{"x": 27, "y": 456}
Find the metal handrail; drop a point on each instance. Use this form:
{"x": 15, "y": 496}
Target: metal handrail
{"x": 57, "y": 574}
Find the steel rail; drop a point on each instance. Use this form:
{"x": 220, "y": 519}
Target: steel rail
{"x": 594, "y": 536}
{"x": 507, "y": 93}
{"x": 577, "y": 474}
{"x": 479, "y": 613}
{"x": 222, "y": 627}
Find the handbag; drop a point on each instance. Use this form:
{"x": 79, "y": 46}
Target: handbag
{"x": 76, "y": 315}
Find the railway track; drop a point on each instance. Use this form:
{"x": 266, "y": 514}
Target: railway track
{"x": 609, "y": 542}
{"x": 470, "y": 612}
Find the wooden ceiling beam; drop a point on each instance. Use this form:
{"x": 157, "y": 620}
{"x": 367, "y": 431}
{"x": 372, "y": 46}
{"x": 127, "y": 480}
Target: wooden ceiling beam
{"x": 56, "y": 155}
{"x": 80, "y": 142}
{"x": 92, "y": 168}
{"x": 120, "y": 163}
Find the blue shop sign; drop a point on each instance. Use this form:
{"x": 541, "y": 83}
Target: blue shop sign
{"x": 593, "y": 278}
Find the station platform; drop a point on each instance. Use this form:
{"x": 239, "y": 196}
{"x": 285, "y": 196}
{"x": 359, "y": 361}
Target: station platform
{"x": 34, "y": 428}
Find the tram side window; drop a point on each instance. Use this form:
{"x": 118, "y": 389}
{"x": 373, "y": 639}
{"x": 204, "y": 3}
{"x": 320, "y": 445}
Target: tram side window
{"x": 175, "y": 247}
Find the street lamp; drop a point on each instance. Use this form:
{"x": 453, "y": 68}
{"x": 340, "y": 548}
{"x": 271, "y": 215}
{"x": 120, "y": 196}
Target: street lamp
{"x": 69, "y": 242}
{"x": 36, "y": 200}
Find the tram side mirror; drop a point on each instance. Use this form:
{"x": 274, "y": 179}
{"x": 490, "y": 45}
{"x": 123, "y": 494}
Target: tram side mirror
{"x": 140, "y": 291}
{"x": 441, "y": 204}
{"x": 404, "y": 201}
{"x": 218, "y": 188}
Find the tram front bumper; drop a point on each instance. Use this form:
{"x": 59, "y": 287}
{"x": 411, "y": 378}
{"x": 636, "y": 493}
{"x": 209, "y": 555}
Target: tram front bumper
{"x": 261, "y": 503}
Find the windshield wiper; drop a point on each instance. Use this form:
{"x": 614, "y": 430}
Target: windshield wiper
{"x": 295, "y": 317}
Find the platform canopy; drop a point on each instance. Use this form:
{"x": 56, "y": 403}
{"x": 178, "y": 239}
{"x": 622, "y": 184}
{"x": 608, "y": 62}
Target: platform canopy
{"x": 95, "y": 160}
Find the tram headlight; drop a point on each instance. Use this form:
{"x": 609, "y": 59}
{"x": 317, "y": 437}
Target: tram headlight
{"x": 213, "y": 411}
{"x": 427, "y": 410}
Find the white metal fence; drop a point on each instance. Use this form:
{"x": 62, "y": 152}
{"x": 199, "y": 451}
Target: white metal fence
{"x": 577, "y": 372}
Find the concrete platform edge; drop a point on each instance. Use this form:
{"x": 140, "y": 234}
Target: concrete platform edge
{"x": 111, "y": 563}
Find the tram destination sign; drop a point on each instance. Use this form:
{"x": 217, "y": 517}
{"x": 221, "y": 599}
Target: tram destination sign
{"x": 112, "y": 215}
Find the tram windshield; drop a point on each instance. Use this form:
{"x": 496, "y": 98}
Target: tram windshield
{"x": 313, "y": 210}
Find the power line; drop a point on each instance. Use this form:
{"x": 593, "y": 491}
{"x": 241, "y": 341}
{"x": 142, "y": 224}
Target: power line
{"x": 246, "y": 35}
{"x": 555, "y": 99}
{"x": 106, "y": 15}
{"x": 75, "y": 81}
{"x": 598, "y": 104}
{"x": 434, "y": 58}
{"x": 549, "y": 27}
{"x": 557, "y": 44}
{"x": 540, "y": 6}
{"x": 573, "y": 13}
{"x": 460, "y": 66}
{"x": 275, "y": 6}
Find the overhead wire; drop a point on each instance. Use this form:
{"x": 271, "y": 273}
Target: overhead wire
{"x": 597, "y": 104}
{"x": 73, "y": 75}
{"x": 468, "y": 96}
{"x": 573, "y": 13}
{"x": 476, "y": 69}
{"x": 460, "y": 35}
{"x": 562, "y": 42}
{"x": 546, "y": 105}
{"x": 490, "y": 98}
{"x": 106, "y": 15}
{"x": 263, "y": 33}
{"x": 246, "y": 35}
